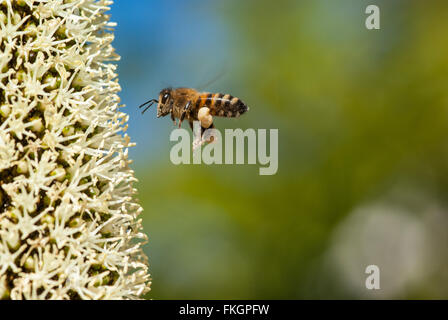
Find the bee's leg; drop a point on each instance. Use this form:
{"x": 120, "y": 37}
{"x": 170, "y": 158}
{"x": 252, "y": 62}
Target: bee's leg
{"x": 190, "y": 122}
{"x": 182, "y": 117}
{"x": 172, "y": 118}
{"x": 212, "y": 126}
{"x": 184, "y": 112}
{"x": 207, "y": 138}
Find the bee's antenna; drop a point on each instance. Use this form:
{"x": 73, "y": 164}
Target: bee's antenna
{"x": 150, "y": 103}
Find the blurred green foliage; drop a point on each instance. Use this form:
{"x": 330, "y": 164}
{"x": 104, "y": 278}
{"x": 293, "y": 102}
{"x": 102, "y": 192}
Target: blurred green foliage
{"x": 358, "y": 112}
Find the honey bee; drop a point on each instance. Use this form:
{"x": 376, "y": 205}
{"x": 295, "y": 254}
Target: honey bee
{"x": 191, "y": 105}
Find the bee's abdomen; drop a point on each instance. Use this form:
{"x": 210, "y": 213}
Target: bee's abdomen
{"x": 223, "y": 105}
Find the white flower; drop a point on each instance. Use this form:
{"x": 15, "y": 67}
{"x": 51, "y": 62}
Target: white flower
{"x": 68, "y": 220}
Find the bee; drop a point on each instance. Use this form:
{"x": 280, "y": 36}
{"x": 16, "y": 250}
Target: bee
{"x": 190, "y": 105}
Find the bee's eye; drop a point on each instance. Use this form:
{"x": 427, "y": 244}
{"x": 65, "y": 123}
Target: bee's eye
{"x": 165, "y": 98}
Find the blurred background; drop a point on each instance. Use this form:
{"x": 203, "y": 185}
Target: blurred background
{"x": 363, "y": 152}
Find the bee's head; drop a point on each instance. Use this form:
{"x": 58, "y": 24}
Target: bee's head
{"x": 165, "y": 102}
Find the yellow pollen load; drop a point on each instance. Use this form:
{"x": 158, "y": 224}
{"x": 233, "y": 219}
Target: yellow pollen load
{"x": 205, "y": 117}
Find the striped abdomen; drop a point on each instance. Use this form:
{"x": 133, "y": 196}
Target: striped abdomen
{"x": 223, "y": 105}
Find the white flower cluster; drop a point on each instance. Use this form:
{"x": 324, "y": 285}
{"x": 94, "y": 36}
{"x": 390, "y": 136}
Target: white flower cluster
{"x": 68, "y": 219}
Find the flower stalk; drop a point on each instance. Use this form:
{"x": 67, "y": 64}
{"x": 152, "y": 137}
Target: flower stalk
{"x": 69, "y": 226}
